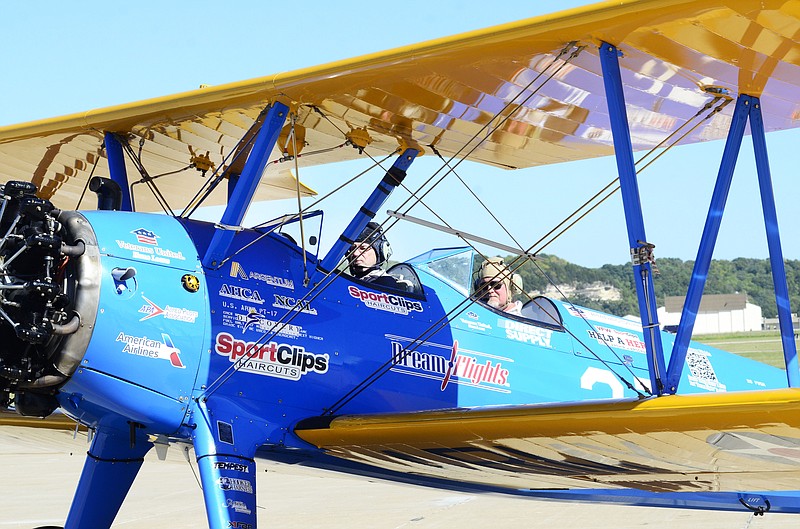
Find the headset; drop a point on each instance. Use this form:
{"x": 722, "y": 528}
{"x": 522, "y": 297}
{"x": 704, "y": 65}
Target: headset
{"x": 373, "y": 235}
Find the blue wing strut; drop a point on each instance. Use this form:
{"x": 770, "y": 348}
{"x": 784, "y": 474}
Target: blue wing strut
{"x": 642, "y": 270}
{"x": 746, "y": 107}
{"x": 112, "y": 463}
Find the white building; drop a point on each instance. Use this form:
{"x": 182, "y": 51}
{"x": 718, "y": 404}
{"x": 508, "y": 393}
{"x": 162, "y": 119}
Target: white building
{"x": 718, "y": 313}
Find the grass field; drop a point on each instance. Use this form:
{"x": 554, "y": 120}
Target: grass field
{"x": 764, "y": 346}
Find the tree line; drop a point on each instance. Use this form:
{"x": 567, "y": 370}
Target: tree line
{"x": 742, "y": 275}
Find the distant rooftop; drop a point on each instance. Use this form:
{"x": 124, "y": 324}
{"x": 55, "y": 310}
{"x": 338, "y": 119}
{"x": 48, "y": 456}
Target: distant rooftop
{"x": 709, "y": 303}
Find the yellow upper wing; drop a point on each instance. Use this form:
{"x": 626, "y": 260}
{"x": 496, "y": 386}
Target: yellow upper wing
{"x": 710, "y": 442}
{"x": 448, "y": 93}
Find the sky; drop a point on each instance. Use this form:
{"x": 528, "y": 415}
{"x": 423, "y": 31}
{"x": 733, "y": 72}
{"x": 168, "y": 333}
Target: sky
{"x": 65, "y": 57}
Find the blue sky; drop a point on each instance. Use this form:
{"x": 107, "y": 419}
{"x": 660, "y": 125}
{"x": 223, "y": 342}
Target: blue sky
{"x": 65, "y": 57}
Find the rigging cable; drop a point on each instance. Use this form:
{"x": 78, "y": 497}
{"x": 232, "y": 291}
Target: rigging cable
{"x": 242, "y": 146}
{"x": 387, "y": 365}
{"x": 489, "y": 128}
{"x": 145, "y": 177}
{"x": 287, "y": 317}
{"x": 419, "y": 200}
{"x": 293, "y": 118}
{"x": 304, "y": 210}
{"x": 586, "y": 204}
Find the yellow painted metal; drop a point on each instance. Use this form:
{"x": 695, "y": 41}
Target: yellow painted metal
{"x": 723, "y": 441}
{"x": 467, "y": 90}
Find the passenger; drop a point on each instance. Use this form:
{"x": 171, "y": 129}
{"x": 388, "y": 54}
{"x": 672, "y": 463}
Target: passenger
{"x": 368, "y": 256}
{"x": 496, "y": 285}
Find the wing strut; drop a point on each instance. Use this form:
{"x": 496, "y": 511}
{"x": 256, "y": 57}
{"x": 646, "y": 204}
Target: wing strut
{"x": 116, "y": 168}
{"x": 643, "y": 274}
{"x": 227, "y": 470}
{"x": 747, "y": 107}
{"x": 246, "y": 186}
{"x": 394, "y": 177}
{"x": 112, "y": 463}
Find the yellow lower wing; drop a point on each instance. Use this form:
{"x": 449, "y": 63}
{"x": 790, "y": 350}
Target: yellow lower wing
{"x": 713, "y": 442}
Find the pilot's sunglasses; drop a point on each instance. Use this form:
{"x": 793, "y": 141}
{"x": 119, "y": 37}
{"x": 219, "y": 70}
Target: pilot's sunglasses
{"x": 495, "y": 285}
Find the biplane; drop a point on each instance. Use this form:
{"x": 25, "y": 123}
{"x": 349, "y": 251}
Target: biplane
{"x": 151, "y": 327}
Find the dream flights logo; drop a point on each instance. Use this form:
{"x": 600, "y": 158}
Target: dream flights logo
{"x": 460, "y": 368}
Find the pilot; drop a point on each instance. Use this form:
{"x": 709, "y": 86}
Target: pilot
{"x": 368, "y": 256}
{"x": 496, "y": 285}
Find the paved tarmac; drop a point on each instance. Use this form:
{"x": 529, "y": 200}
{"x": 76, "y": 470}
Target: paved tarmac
{"x": 41, "y": 468}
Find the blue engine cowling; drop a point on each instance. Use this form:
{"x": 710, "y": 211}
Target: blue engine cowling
{"x": 94, "y": 305}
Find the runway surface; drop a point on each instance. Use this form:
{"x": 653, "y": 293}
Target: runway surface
{"x": 41, "y": 468}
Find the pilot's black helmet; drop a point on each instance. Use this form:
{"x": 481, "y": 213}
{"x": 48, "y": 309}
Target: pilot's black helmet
{"x": 373, "y": 235}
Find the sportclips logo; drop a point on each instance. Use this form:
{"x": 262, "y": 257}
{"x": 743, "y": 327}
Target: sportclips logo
{"x": 459, "y": 368}
{"x": 383, "y": 301}
{"x": 271, "y": 359}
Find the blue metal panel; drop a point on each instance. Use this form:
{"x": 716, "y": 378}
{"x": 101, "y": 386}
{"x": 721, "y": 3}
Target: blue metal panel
{"x": 774, "y": 244}
{"x": 643, "y": 277}
{"x": 392, "y": 179}
{"x": 707, "y": 242}
{"x": 246, "y": 186}
{"x": 116, "y": 168}
{"x": 153, "y": 330}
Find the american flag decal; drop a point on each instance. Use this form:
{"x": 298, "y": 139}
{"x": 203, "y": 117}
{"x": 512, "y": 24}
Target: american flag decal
{"x": 146, "y": 236}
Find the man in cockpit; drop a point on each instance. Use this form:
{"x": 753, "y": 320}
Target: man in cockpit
{"x": 496, "y": 285}
{"x": 369, "y": 255}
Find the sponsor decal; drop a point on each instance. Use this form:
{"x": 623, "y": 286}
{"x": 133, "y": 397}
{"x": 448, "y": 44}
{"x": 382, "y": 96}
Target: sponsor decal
{"x": 237, "y": 506}
{"x": 608, "y": 319}
{"x": 384, "y": 301}
{"x": 701, "y": 372}
{"x": 617, "y": 339}
{"x": 151, "y": 310}
{"x": 147, "y": 249}
{"x": 522, "y": 332}
{"x": 472, "y": 315}
{"x": 257, "y": 322}
{"x": 236, "y": 467}
{"x": 240, "y": 525}
{"x": 458, "y": 367}
{"x": 235, "y": 484}
{"x": 476, "y": 325}
{"x": 627, "y": 360}
{"x": 271, "y": 359}
{"x": 239, "y": 272}
{"x": 144, "y": 236}
{"x": 143, "y": 346}
{"x": 240, "y": 293}
{"x": 287, "y": 303}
